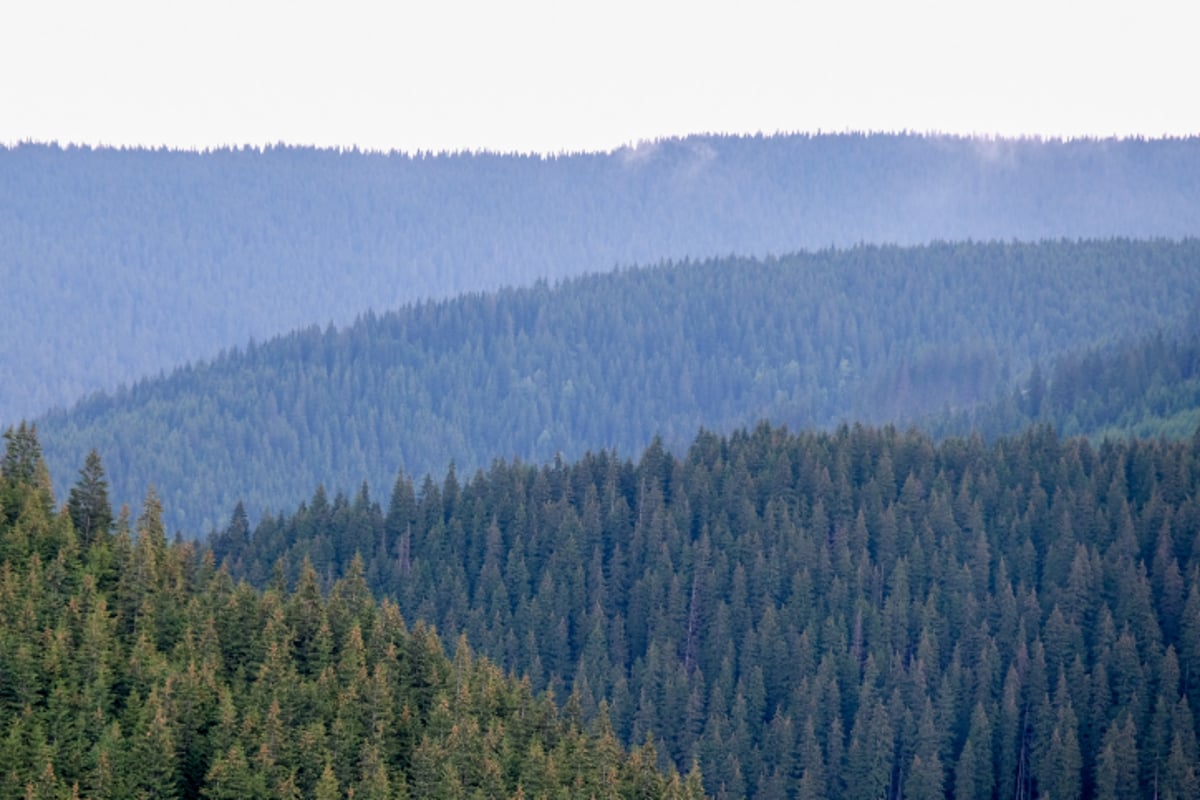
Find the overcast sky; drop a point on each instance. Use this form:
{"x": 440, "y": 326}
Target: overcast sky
{"x": 556, "y": 75}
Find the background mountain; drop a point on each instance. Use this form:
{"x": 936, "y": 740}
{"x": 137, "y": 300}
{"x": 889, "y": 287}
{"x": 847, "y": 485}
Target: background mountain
{"x": 609, "y": 361}
{"x": 120, "y": 263}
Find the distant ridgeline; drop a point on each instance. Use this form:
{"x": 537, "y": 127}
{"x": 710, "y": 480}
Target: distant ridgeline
{"x": 609, "y": 361}
{"x": 851, "y": 615}
{"x": 120, "y": 263}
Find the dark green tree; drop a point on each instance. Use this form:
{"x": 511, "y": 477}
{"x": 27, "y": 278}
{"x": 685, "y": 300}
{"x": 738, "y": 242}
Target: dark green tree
{"x": 88, "y": 504}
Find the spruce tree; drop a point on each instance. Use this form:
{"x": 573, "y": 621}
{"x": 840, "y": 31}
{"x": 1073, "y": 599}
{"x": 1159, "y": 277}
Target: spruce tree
{"x": 88, "y": 505}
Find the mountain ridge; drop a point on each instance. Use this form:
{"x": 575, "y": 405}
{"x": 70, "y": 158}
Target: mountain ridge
{"x": 870, "y": 333}
{"x": 132, "y": 261}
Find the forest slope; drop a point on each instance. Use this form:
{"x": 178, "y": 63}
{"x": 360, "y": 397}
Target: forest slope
{"x": 1148, "y": 389}
{"x": 849, "y": 615}
{"x": 131, "y": 669}
{"x": 608, "y": 361}
{"x": 126, "y": 262}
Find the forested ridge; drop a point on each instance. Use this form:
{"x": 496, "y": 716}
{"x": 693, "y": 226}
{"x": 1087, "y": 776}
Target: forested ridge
{"x": 803, "y": 600}
{"x": 126, "y": 262}
{"x": 609, "y": 361}
{"x": 133, "y": 668}
{"x": 855, "y": 614}
{"x": 1148, "y": 389}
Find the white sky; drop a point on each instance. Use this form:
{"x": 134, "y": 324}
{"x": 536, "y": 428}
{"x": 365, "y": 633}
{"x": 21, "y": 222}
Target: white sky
{"x": 539, "y": 75}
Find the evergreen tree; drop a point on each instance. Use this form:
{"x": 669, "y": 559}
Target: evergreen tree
{"x": 231, "y": 778}
{"x": 88, "y": 505}
{"x": 1117, "y": 763}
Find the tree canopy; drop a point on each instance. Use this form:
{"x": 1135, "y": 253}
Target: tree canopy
{"x": 858, "y": 613}
{"x": 874, "y": 334}
{"x": 131, "y": 667}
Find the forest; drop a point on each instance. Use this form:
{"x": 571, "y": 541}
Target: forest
{"x": 1146, "y": 390}
{"x": 131, "y": 667}
{"x": 794, "y": 467}
{"x": 131, "y": 261}
{"x": 608, "y": 361}
{"x": 855, "y": 614}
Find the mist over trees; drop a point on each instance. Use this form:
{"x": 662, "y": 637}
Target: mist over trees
{"x": 120, "y": 263}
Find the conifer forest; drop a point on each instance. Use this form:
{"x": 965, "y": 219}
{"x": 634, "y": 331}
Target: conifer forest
{"x": 791, "y": 467}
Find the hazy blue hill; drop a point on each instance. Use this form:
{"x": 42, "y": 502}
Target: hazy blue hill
{"x": 120, "y": 263}
{"x": 608, "y": 361}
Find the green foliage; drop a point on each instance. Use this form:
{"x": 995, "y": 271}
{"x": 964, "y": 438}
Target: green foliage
{"x": 90, "y": 511}
{"x": 859, "y": 613}
{"x": 173, "y": 682}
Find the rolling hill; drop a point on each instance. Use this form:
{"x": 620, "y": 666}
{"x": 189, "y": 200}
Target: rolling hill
{"x": 117, "y": 264}
{"x": 608, "y": 361}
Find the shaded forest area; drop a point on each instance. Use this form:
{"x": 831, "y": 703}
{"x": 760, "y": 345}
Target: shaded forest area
{"x": 1145, "y": 390}
{"x": 609, "y": 361}
{"x": 851, "y": 615}
{"x": 127, "y": 262}
{"x": 132, "y": 668}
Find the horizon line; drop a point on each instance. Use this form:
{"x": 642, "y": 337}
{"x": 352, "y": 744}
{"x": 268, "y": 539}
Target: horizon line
{"x": 627, "y": 145}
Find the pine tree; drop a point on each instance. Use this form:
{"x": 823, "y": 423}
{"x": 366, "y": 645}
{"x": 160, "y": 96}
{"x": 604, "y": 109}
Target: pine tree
{"x": 1117, "y": 763}
{"x": 88, "y": 505}
{"x": 925, "y": 779}
{"x": 22, "y": 463}
{"x": 1181, "y": 777}
{"x": 869, "y": 758}
{"x": 327, "y": 785}
{"x": 152, "y": 765}
{"x": 232, "y": 778}
{"x": 373, "y": 782}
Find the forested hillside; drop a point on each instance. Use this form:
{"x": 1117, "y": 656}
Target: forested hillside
{"x": 119, "y": 263}
{"x": 609, "y": 361}
{"x": 130, "y": 668}
{"x": 1148, "y": 389}
{"x": 851, "y": 615}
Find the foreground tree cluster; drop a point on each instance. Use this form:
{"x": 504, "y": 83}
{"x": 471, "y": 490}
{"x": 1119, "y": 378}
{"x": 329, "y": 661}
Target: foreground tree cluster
{"x": 854, "y": 615}
{"x": 131, "y": 668}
